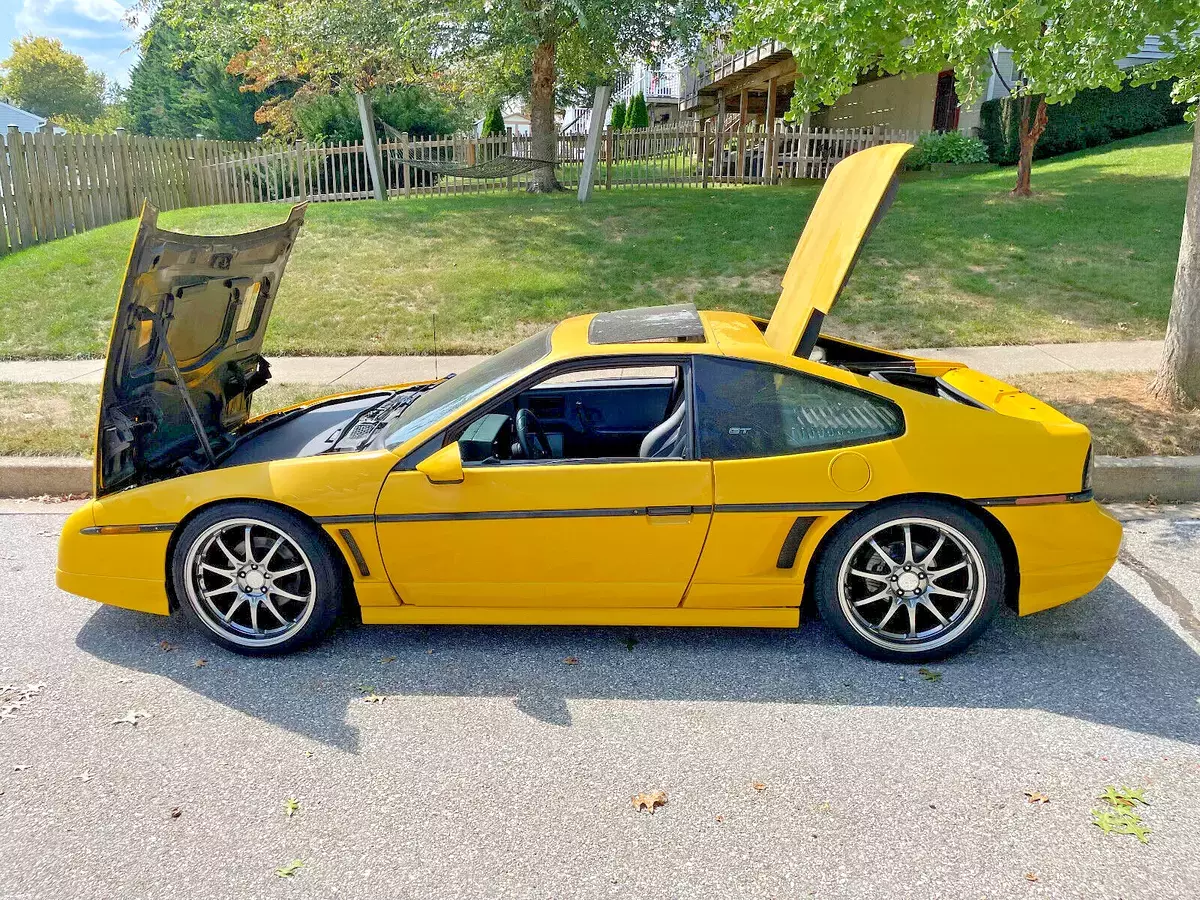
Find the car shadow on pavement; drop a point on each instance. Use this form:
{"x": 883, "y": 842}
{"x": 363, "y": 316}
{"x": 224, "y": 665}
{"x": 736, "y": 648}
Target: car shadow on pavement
{"x": 1105, "y": 658}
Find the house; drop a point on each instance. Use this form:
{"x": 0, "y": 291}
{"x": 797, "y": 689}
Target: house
{"x": 516, "y": 120}
{"x": 25, "y": 121}
{"x": 751, "y": 80}
{"x": 659, "y": 85}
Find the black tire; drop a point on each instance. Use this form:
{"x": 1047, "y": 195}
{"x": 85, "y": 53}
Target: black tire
{"x": 857, "y": 591}
{"x": 296, "y": 562}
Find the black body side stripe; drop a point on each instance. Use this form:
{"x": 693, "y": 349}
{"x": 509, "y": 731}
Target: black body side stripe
{"x": 344, "y": 520}
{"x": 784, "y": 507}
{"x": 598, "y": 513}
{"x": 791, "y": 543}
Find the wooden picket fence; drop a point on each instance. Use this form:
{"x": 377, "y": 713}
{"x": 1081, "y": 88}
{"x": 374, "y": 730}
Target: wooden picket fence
{"x": 52, "y": 185}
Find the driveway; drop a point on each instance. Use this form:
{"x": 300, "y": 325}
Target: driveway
{"x": 500, "y": 762}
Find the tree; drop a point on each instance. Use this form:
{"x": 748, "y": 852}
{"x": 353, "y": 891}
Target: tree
{"x": 493, "y": 122}
{"x": 548, "y": 47}
{"x": 43, "y": 77}
{"x": 1058, "y": 46}
{"x": 290, "y": 52}
{"x": 618, "y": 115}
{"x": 639, "y": 117}
{"x": 1178, "y": 378}
{"x": 176, "y": 92}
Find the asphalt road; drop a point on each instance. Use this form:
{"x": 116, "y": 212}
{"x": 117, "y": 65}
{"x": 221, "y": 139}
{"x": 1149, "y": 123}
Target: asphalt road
{"x": 493, "y": 768}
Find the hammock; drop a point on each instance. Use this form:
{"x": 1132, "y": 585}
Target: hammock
{"x": 497, "y": 167}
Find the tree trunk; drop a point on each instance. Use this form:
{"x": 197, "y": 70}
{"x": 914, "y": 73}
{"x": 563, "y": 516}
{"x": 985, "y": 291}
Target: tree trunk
{"x": 1178, "y": 379}
{"x": 1030, "y": 132}
{"x": 542, "y": 130}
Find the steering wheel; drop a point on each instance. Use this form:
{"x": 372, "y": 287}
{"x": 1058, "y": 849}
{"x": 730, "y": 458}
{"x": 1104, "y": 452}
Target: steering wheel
{"x": 531, "y": 436}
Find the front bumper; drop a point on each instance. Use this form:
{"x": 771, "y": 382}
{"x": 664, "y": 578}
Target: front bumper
{"x": 127, "y": 570}
{"x": 1064, "y": 550}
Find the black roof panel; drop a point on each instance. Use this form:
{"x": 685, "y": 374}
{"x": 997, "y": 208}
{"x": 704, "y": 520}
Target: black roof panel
{"x": 677, "y": 322}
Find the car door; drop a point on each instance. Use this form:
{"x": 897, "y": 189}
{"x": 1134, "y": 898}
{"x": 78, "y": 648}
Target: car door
{"x": 792, "y": 454}
{"x": 620, "y": 532}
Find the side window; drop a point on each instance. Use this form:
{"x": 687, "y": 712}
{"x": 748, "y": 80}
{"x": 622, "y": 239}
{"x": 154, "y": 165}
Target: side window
{"x": 748, "y": 409}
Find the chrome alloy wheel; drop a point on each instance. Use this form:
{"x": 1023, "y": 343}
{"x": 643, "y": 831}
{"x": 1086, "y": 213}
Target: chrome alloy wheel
{"x": 912, "y": 584}
{"x": 250, "y": 582}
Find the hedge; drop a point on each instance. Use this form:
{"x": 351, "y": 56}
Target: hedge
{"x": 1096, "y": 116}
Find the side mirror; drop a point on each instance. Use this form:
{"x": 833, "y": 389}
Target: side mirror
{"x": 443, "y": 467}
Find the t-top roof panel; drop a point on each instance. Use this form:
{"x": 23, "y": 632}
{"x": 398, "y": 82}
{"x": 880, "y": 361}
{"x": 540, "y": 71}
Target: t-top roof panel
{"x": 677, "y": 322}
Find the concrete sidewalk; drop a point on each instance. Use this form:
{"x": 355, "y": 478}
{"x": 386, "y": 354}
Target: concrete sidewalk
{"x": 365, "y": 371}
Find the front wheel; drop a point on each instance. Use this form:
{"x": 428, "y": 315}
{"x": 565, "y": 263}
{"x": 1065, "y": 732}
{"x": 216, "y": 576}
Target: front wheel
{"x": 256, "y": 579}
{"x": 910, "y": 582}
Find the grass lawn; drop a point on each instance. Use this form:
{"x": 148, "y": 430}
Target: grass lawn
{"x": 60, "y": 419}
{"x": 955, "y": 262}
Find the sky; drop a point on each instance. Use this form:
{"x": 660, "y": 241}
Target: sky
{"x": 92, "y": 28}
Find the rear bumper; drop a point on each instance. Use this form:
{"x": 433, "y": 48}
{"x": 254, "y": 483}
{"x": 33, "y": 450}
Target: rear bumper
{"x": 1064, "y": 550}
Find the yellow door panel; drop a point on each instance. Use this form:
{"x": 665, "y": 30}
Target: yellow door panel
{"x": 555, "y": 535}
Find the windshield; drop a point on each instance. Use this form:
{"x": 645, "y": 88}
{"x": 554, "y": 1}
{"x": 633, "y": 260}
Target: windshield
{"x": 460, "y": 390}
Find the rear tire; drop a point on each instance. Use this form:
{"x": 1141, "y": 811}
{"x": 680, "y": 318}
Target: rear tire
{"x": 256, "y": 579}
{"x": 911, "y": 581}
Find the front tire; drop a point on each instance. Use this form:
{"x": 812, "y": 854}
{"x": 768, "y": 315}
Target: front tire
{"x": 911, "y": 581}
{"x": 256, "y": 579}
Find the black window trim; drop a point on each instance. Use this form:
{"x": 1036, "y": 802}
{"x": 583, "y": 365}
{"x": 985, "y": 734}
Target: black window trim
{"x": 815, "y": 448}
{"x": 455, "y": 429}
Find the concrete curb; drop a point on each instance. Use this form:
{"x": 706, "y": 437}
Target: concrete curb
{"x": 38, "y": 476}
{"x": 1169, "y": 479}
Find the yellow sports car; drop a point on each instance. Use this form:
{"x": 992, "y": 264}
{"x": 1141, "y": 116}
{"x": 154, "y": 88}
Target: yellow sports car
{"x": 654, "y": 466}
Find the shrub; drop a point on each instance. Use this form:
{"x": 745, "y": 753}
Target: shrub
{"x": 946, "y": 147}
{"x": 639, "y": 116}
{"x": 414, "y": 109}
{"x": 1096, "y": 116}
{"x": 618, "y": 115}
{"x": 493, "y": 121}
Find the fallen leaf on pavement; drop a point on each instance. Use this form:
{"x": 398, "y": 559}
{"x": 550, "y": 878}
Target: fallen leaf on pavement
{"x": 649, "y": 800}
{"x": 1031, "y": 876}
{"x": 21, "y": 768}
{"x": 1036, "y": 797}
{"x": 84, "y": 776}
{"x": 291, "y": 806}
{"x": 720, "y": 818}
{"x": 630, "y": 643}
{"x": 388, "y": 659}
{"x": 287, "y": 871}
{"x": 373, "y": 698}
{"x": 200, "y": 663}
{"x": 929, "y": 674}
{"x": 758, "y": 786}
{"x": 571, "y": 661}
{"x": 132, "y": 717}
{"x": 166, "y": 646}
{"x": 176, "y": 812}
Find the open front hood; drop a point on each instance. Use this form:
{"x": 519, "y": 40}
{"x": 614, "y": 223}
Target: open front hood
{"x": 184, "y": 356}
{"x": 856, "y": 195}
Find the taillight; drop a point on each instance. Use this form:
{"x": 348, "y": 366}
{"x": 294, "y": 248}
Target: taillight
{"x": 1088, "y": 465}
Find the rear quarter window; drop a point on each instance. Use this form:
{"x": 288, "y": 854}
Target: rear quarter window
{"x": 747, "y": 409}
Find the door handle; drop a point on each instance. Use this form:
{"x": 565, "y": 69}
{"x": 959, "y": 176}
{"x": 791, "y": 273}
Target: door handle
{"x": 668, "y": 510}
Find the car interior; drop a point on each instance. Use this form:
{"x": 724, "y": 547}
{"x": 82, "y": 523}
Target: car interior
{"x": 639, "y": 412}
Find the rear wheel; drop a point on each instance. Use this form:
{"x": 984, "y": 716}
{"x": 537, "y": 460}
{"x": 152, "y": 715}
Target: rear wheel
{"x": 255, "y": 578}
{"x": 910, "y": 581}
